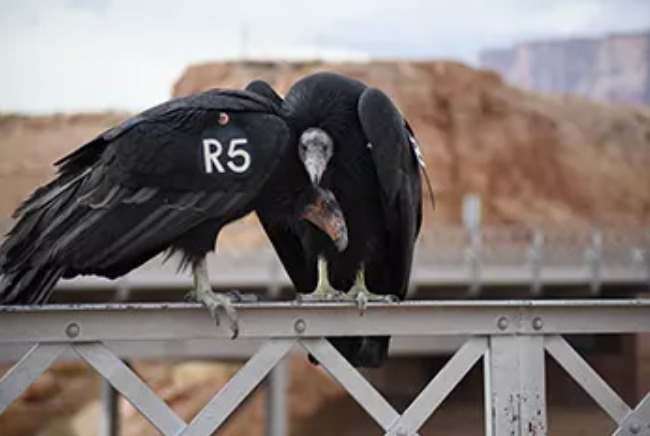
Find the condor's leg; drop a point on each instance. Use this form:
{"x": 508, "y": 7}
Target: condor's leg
{"x": 203, "y": 293}
{"x": 324, "y": 290}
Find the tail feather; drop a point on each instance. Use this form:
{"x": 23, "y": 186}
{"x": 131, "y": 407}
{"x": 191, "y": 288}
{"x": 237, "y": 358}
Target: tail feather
{"x": 29, "y": 285}
{"x": 46, "y": 194}
{"x": 28, "y": 271}
{"x": 25, "y": 241}
{"x": 27, "y": 275}
{"x": 23, "y": 279}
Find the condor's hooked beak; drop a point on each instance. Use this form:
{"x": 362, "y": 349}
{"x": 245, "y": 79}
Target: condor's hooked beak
{"x": 315, "y": 166}
{"x": 325, "y": 213}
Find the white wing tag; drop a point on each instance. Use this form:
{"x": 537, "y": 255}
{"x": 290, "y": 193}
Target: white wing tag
{"x": 238, "y": 160}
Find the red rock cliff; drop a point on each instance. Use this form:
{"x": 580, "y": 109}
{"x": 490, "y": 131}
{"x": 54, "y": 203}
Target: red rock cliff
{"x": 532, "y": 158}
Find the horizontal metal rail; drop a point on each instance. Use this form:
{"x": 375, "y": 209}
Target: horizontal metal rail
{"x": 510, "y": 337}
{"x": 116, "y": 322}
{"x": 227, "y": 273}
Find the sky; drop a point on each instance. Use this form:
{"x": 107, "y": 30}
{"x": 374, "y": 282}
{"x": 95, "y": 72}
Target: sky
{"x": 92, "y": 55}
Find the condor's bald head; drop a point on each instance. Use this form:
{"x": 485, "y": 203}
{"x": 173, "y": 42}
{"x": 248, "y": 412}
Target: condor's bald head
{"x": 315, "y": 149}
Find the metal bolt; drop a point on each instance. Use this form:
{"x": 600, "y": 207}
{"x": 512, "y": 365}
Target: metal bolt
{"x": 538, "y": 323}
{"x": 401, "y": 432}
{"x": 300, "y": 325}
{"x": 503, "y": 323}
{"x": 634, "y": 427}
{"x": 72, "y": 330}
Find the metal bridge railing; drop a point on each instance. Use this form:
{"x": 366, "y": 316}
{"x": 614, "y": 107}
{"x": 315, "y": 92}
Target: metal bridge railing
{"x": 496, "y": 256}
{"x": 511, "y": 337}
{"x": 534, "y": 258}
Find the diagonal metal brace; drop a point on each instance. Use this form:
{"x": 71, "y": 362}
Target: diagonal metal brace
{"x": 137, "y": 392}
{"x": 439, "y": 387}
{"x": 587, "y": 378}
{"x": 27, "y": 370}
{"x": 215, "y": 413}
{"x": 353, "y": 382}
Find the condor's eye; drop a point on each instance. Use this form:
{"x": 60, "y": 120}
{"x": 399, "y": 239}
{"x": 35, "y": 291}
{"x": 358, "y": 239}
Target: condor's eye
{"x": 302, "y": 150}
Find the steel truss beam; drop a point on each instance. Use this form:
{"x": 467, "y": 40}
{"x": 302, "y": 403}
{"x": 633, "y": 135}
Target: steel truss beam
{"x": 510, "y": 336}
{"x": 117, "y": 322}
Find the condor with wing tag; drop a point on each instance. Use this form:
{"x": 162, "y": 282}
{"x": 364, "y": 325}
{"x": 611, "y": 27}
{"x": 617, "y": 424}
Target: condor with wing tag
{"x": 168, "y": 178}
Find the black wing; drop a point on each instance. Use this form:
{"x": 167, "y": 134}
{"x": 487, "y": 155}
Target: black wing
{"x": 394, "y": 153}
{"x": 139, "y": 187}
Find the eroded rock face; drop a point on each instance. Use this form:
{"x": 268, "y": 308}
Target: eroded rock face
{"x": 615, "y": 68}
{"x": 532, "y": 158}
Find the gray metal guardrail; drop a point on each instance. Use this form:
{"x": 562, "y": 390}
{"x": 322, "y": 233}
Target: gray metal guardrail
{"x": 509, "y": 337}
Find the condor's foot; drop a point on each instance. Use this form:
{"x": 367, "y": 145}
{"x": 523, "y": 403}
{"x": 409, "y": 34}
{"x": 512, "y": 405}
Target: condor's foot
{"x": 322, "y": 293}
{"x": 213, "y": 302}
{"x": 360, "y": 294}
{"x": 324, "y": 290}
{"x": 203, "y": 294}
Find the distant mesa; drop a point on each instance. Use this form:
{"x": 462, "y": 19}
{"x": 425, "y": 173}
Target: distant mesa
{"x": 615, "y": 68}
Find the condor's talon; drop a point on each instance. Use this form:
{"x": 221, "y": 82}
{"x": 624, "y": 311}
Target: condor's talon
{"x": 240, "y": 297}
{"x": 360, "y": 294}
{"x": 203, "y": 294}
{"x": 362, "y": 303}
{"x": 213, "y": 302}
{"x": 233, "y": 320}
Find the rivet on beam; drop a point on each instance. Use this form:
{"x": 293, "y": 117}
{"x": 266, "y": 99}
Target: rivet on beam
{"x": 300, "y": 325}
{"x": 72, "y": 330}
